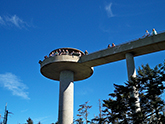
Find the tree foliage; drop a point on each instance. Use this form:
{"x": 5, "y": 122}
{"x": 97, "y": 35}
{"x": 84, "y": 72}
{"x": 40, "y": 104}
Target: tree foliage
{"x": 100, "y": 118}
{"x": 149, "y": 83}
{"x": 29, "y": 121}
{"x": 83, "y": 113}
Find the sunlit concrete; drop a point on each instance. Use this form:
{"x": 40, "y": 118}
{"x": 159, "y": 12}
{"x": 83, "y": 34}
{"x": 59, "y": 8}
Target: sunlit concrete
{"x": 131, "y": 71}
{"x": 65, "y": 115}
{"x": 67, "y": 68}
{"x": 138, "y": 47}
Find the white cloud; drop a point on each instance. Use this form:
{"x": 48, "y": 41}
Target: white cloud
{"x": 85, "y": 91}
{"x": 109, "y": 10}
{"x": 2, "y": 21}
{"x": 40, "y": 119}
{"x": 13, "y": 83}
{"x": 13, "y": 21}
{"x": 24, "y": 110}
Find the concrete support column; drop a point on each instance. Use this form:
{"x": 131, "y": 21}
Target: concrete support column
{"x": 132, "y": 72}
{"x": 65, "y": 115}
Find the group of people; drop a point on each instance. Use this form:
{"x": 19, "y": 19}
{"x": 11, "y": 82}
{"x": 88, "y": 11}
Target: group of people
{"x": 154, "y": 32}
{"x": 148, "y": 34}
{"x": 109, "y": 46}
{"x": 59, "y": 52}
{"x": 64, "y": 52}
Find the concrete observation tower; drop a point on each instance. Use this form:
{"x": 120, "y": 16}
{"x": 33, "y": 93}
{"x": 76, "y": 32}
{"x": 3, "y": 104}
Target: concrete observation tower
{"x": 66, "y": 69}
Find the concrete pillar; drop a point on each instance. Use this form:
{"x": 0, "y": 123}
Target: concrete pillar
{"x": 65, "y": 115}
{"x": 131, "y": 70}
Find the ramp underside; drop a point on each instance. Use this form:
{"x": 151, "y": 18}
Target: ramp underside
{"x": 138, "y": 47}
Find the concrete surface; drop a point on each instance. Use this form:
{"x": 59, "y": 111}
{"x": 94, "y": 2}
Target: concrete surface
{"x": 52, "y": 66}
{"x": 137, "y": 48}
{"x": 65, "y": 115}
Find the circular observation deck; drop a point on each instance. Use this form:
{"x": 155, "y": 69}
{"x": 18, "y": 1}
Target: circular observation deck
{"x": 51, "y": 66}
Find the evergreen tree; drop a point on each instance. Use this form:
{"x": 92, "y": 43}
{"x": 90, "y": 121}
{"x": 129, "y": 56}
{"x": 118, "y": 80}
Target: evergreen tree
{"x": 83, "y": 113}
{"x": 149, "y": 83}
{"x": 151, "y": 88}
{"x": 99, "y": 119}
{"x": 29, "y": 121}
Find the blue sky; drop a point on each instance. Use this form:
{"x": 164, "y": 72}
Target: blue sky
{"x": 31, "y": 29}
